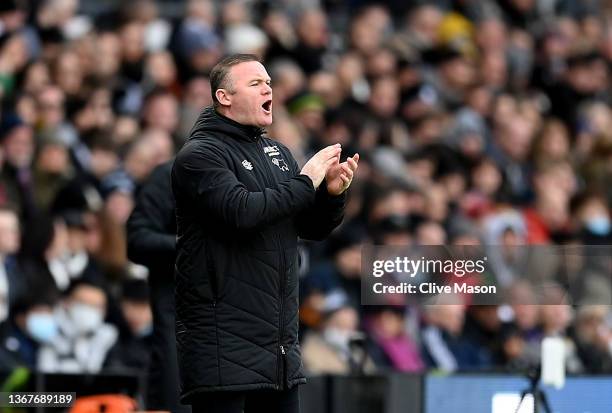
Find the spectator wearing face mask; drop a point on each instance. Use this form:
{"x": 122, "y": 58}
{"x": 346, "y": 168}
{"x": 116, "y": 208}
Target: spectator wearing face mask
{"x": 335, "y": 349}
{"x": 84, "y": 339}
{"x": 32, "y": 324}
{"x": 68, "y": 259}
{"x": 54, "y": 253}
{"x": 592, "y": 219}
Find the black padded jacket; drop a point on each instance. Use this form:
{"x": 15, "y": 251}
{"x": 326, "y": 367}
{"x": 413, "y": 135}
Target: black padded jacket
{"x": 241, "y": 205}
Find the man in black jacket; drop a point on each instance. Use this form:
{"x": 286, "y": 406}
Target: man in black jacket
{"x": 151, "y": 236}
{"x": 241, "y": 203}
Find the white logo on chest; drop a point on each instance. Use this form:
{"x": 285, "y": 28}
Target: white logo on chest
{"x": 271, "y": 150}
{"x": 247, "y": 165}
{"x": 282, "y": 165}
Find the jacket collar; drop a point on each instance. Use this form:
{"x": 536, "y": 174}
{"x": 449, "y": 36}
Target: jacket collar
{"x": 211, "y": 121}
{"x": 252, "y": 133}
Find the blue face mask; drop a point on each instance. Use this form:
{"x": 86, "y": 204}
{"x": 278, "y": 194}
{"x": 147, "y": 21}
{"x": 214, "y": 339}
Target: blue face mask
{"x": 41, "y": 327}
{"x": 599, "y": 225}
{"x": 145, "y": 331}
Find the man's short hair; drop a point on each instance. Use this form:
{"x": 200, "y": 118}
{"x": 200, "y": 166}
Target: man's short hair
{"x": 219, "y": 75}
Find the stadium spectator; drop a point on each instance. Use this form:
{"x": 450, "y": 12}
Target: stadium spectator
{"x": 31, "y": 325}
{"x": 337, "y": 347}
{"x": 84, "y": 340}
{"x": 390, "y": 345}
{"x": 444, "y": 346}
{"x": 132, "y": 348}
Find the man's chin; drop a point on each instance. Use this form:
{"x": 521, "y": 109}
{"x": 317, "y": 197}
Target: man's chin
{"x": 265, "y": 121}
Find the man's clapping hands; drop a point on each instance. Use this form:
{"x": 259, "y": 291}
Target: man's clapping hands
{"x": 326, "y": 164}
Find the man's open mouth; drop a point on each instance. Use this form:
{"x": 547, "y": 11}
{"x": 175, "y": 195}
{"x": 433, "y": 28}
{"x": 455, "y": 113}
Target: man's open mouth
{"x": 267, "y": 106}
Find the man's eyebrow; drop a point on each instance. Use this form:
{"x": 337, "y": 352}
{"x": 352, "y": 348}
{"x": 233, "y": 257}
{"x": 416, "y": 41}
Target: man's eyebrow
{"x": 260, "y": 79}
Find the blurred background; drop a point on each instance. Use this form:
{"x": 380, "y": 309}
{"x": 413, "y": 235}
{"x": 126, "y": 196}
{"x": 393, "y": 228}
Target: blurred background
{"x": 479, "y": 122}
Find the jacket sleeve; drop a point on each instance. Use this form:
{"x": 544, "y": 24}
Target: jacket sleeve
{"x": 151, "y": 230}
{"x": 317, "y": 222}
{"x": 202, "y": 173}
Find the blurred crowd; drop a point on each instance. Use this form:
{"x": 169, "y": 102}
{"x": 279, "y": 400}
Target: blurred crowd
{"x": 478, "y": 122}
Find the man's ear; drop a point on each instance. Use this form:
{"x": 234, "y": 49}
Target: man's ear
{"x": 224, "y": 97}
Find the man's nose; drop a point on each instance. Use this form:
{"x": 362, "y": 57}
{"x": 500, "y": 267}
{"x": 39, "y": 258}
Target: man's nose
{"x": 267, "y": 89}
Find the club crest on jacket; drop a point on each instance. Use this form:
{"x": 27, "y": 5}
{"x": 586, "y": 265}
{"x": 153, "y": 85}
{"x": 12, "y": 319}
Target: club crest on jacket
{"x": 247, "y": 165}
{"x": 280, "y": 163}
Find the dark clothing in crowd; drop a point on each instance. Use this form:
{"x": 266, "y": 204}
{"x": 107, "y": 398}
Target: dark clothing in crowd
{"x": 10, "y": 193}
{"x": 483, "y": 343}
{"x": 17, "y": 349}
{"x": 152, "y": 242}
{"x": 134, "y": 353}
{"x": 20, "y": 186}
{"x": 445, "y": 351}
{"x": 16, "y": 285}
{"x": 241, "y": 205}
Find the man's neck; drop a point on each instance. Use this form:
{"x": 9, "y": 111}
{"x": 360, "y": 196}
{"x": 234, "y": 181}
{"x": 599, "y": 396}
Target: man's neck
{"x": 225, "y": 113}
{"x": 249, "y": 130}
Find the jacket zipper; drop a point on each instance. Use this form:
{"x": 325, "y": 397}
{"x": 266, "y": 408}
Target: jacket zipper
{"x": 281, "y": 363}
{"x": 281, "y": 348}
{"x": 212, "y": 274}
